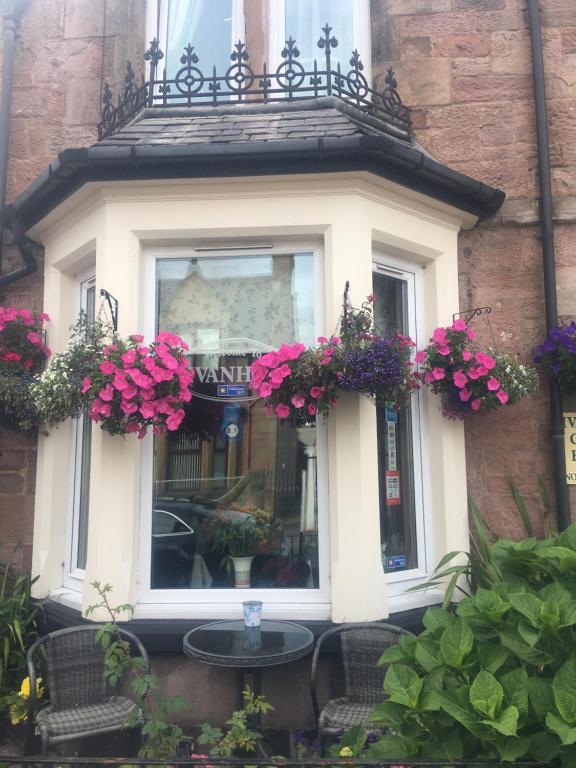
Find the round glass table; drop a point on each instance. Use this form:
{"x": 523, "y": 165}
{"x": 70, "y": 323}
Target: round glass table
{"x": 248, "y": 649}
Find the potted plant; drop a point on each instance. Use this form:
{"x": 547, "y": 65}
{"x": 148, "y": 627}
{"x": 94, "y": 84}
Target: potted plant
{"x": 236, "y": 535}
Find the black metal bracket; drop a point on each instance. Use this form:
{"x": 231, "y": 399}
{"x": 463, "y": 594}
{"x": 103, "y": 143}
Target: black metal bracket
{"x": 470, "y": 314}
{"x": 112, "y": 305}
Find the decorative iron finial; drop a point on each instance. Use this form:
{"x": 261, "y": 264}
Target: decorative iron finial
{"x": 189, "y": 57}
{"x": 356, "y": 61}
{"x": 154, "y": 53}
{"x": 291, "y": 50}
{"x": 239, "y": 53}
{"x": 327, "y": 42}
{"x": 129, "y": 76}
{"x": 390, "y": 79}
{"x": 106, "y": 95}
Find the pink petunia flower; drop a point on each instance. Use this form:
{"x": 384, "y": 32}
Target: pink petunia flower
{"x": 316, "y": 392}
{"x": 439, "y": 336}
{"x": 265, "y": 389}
{"x": 86, "y": 384}
{"x": 34, "y": 338}
{"x": 420, "y": 356}
{"x": 471, "y": 334}
{"x": 137, "y": 337}
{"x": 438, "y": 373}
{"x": 459, "y": 325}
{"x": 106, "y": 393}
{"x": 444, "y": 350}
{"x": 466, "y": 355}
{"x": 465, "y": 395}
{"x": 475, "y": 404}
{"x": 107, "y": 368}
{"x": 129, "y": 358}
{"x": 298, "y": 401}
{"x": 312, "y": 409}
{"x": 502, "y": 396}
{"x": 282, "y": 411}
{"x": 460, "y": 379}
{"x": 492, "y": 384}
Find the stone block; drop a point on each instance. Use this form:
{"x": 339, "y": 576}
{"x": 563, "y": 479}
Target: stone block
{"x": 417, "y": 47}
{"x": 409, "y": 7}
{"x": 11, "y": 483}
{"x": 82, "y": 19}
{"x": 479, "y": 5}
{"x": 439, "y": 24}
{"x": 461, "y": 46}
{"x": 505, "y": 88}
{"x": 511, "y": 53}
{"x": 17, "y": 518}
{"x": 82, "y": 101}
{"x": 12, "y": 460}
{"x": 421, "y": 82}
{"x": 569, "y": 41}
{"x": 385, "y": 39}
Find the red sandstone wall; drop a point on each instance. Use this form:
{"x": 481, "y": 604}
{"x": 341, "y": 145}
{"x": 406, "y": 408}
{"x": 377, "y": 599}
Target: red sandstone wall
{"x": 465, "y": 66}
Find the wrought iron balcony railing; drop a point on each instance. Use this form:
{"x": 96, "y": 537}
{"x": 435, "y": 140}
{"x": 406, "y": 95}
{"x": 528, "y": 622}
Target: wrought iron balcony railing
{"x": 240, "y": 84}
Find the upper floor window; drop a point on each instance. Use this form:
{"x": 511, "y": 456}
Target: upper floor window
{"x": 213, "y": 28}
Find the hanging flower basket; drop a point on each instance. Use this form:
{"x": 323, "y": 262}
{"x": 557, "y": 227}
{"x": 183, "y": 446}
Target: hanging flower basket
{"x": 135, "y": 386}
{"x": 23, "y": 354}
{"x": 557, "y": 354}
{"x": 299, "y": 383}
{"x": 471, "y": 381}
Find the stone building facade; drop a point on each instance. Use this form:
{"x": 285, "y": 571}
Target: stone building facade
{"x": 465, "y": 68}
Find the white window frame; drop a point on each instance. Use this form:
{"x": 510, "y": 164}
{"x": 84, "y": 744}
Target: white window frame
{"x": 73, "y": 575}
{"x": 296, "y": 603}
{"x": 158, "y": 27}
{"x": 411, "y": 274}
{"x": 360, "y": 34}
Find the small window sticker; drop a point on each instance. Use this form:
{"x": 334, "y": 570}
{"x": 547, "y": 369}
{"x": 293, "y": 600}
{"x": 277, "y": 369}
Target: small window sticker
{"x": 396, "y": 561}
{"x": 392, "y": 479}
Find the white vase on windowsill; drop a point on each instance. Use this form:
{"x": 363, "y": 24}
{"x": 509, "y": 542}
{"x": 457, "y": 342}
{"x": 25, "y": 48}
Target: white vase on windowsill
{"x": 242, "y": 566}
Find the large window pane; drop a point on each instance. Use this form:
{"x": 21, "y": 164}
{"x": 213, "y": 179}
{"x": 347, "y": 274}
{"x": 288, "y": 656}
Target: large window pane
{"x": 395, "y": 441}
{"x": 304, "y": 21}
{"x": 231, "y": 465}
{"x": 83, "y": 455}
{"x": 205, "y": 24}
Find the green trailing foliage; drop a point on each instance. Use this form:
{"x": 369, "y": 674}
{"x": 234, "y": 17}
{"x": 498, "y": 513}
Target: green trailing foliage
{"x": 493, "y": 677}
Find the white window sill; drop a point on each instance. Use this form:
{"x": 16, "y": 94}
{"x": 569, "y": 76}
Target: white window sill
{"x": 232, "y": 610}
{"x": 68, "y": 597}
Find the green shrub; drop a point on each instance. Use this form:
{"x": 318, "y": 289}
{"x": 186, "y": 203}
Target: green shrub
{"x": 496, "y": 677}
{"x": 17, "y": 628}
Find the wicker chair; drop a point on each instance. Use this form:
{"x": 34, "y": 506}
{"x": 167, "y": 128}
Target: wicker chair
{"x": 362, "y": 645}
{"x": 81, "y": 703}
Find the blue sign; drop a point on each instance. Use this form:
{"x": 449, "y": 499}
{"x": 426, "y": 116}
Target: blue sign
{"x": 231, "y": 390}
{"x": 398, "y": 561}
{"x": 391, "y": 415}
{"x": 231, "y": 426}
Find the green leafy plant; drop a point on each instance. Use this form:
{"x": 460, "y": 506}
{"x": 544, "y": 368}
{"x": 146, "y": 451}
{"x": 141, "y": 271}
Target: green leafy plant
{"x": 17, "y": 628}
{"x": 160, "y": 736}
{"x": 494, "y": 678}
{"x": 236, "y": 533}
{"x": 58, "y": 392}
{"x": 239, "y": 736}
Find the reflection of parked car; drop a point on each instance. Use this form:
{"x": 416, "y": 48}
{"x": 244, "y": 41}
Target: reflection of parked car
{"x": 173, "y": 548}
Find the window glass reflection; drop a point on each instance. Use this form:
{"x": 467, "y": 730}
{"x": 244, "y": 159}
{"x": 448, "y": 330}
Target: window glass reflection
{"x": 233, "y": 482}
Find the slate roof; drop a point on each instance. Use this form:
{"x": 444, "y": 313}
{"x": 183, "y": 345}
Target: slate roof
{"x": 323, "y": 135}
{"x": 326, "y": 117}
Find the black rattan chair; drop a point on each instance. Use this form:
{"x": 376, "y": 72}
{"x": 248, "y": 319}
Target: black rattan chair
{"x": 81, "y": 702}
{"x": 362, "y": 645}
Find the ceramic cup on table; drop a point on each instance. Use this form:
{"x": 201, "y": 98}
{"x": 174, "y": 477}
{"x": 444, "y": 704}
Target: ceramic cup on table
{"x": 252, "y": 612}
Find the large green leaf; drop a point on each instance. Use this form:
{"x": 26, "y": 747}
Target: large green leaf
{"x": 403, "y": 685}
{"x": 544, "y": 747}
{"x": 565, "y": 731}
{"x": 541, "y": 697}
{"x": 387, "y": 713}
{"x": 557, "y": 592}
{"x": 455, "y": 704}
{"x": 533, "y": 656}
{"x": 393, "y": 654}
{"x": 486, "y": 694}
{"x": 568, "y": 614}
{"x": 528, "y": 605}
{"x": 428, "y": 653}
{"x": 492, "y": 657}
{"x": 446, "y": 746}
{"x": 456, "y": 643}
{"x": 550, "y": 614}
{"x": 528, "y": 632}
{"x": 511, "y": 748}
{"x": 564, "y": 688}
{"x": 389, "y": 746}
{"x": 490, "y": 604}
{"x": 515, "y": 684}
{"x": 437, "y": 617}
{"x": 565, "y": 558}
{"x": 506, "y": 724}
